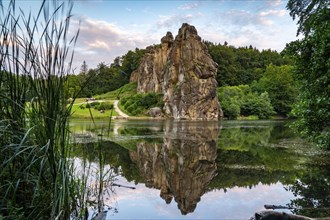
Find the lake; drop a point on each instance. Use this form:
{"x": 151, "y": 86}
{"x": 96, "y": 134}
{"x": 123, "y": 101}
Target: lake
{"x": 164, "y": 169}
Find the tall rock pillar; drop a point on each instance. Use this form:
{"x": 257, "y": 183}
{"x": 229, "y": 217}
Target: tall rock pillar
{"x": 184, "y": 72}
{"x": 189, "y": 79}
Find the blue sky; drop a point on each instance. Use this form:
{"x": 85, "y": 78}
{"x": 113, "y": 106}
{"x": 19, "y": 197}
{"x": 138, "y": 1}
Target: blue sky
{"x": 109, "y": 28}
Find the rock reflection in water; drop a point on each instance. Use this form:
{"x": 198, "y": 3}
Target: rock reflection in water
{"x": 183, "y": 165}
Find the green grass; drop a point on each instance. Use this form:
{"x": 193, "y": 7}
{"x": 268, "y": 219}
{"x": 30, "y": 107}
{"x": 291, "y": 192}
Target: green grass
{"x": 126, "y": 90}
{"x": 78, "y": 112}
{"x": 250, "y": 117}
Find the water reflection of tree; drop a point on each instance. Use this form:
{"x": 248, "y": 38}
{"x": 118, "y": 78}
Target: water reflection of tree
{"x": 313, "y": 193}
{"x": 114, "y": 155}
{"x": 249, "y": 155}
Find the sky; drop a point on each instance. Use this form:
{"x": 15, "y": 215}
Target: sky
{"x": 110, "y": 28}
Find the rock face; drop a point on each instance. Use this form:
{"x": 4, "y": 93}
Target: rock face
{"x": 183, "y": 165}
{"x": 184, "y": 72}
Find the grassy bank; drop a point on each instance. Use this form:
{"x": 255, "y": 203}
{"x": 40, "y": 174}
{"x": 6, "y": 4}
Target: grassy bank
{"x": 124, "y": 91}
{"x": 79, "y": 110}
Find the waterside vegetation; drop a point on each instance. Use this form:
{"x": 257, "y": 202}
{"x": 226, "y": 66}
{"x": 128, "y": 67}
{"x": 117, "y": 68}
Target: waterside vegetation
{"x": 38, "y": 179}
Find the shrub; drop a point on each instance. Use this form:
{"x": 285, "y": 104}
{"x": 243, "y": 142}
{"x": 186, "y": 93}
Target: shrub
{"x": 131, "y": 108}
{"x": 236, "y": 100}
{"x": 150, "y": 100}
{"x": 137, "y": 112}
{"x": 253, "y": 104}
{"x": 139, "y": 103}
{"x": 128, "y": 103}
{"x": 93, "y": 104}
{"x": 123, "y": 100}
{"x": 231, "y": 110}
{"x": 104, "y": 106}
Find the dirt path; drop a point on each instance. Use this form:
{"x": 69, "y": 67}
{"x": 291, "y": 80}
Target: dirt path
{"x": 122, "y": 114}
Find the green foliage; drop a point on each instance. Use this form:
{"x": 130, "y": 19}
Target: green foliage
{"x": 126, "y": 90}
{"x": 230, "y": 98}
{"x": 102, "y": 79}
{"x": 105, "y": 78}
{"x": 259, "y": 105}
{"x": 73, "y": 85}
{"x": 312, "y": 188}
{"x": 37, "y": 179}
{"x": 93, "y": 104}
{"x": 242, "y": 65}
{"x": 80, "y": 111}
{"x": 104, "y": 106}
{"x": 312, "y": 64}
{"x": 138, "y": 104}
{"x": 98, "y": 105}
{"x": 278, "y": 81}
{"x": 131, "y": 60}
{"x": 232, "y": 109}
{"x": 240, "y": 100}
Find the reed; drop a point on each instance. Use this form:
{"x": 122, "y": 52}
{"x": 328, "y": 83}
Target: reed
{"x": 36, "y": 177}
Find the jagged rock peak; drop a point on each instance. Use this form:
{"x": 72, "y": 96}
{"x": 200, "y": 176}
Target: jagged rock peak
{"x": 187, "y": 31}
{"x": 168, "y": 38}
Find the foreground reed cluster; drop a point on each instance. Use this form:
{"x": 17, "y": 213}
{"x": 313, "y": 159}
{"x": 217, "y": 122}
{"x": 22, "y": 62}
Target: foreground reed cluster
{"x": 37, "y": 179}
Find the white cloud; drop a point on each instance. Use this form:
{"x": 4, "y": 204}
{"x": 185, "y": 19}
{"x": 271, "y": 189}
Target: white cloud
{"x": 243, "y": 18}
{"x": 101, "y": 41}
{"x": 189, "y": 6}
{"x": 275, "y": 3}
{"x": 168, "y": 21}
{"x": 266, "y": 22}
{"x": 279, "y": 13}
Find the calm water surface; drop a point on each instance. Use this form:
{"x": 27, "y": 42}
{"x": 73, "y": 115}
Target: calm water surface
{"x": 205, "y": 170}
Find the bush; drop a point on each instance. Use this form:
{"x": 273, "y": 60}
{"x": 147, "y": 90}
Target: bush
{"x": 151, "y": 100}
{"x": 123, "y": 100}
{"x": 104, "y": 106}
{"x": 240, "y": 100}
{"x": 93, "y": 104}
{"x": 253, "y": 104}
{"x": 139, "y": 103}
{"x": 131, "y": 108}
{"x": 231, "y": 110}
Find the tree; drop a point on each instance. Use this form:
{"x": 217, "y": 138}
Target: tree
{"x": 312, "y": 68}
{"x": 131, "y": 61}
{"x": 73, "y": 85}
{"x": 84, "y": 68}
{"x": 236, "y": 100}
{"x": 242, "y": 65}
{"x": 259, "y": 105}
{"x": 281, "y": 87}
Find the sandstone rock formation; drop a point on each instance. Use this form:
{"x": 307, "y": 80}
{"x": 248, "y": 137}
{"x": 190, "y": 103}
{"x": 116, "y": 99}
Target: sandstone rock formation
{"x": 184, "y": 72}
{"x": 183, "y": 165}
